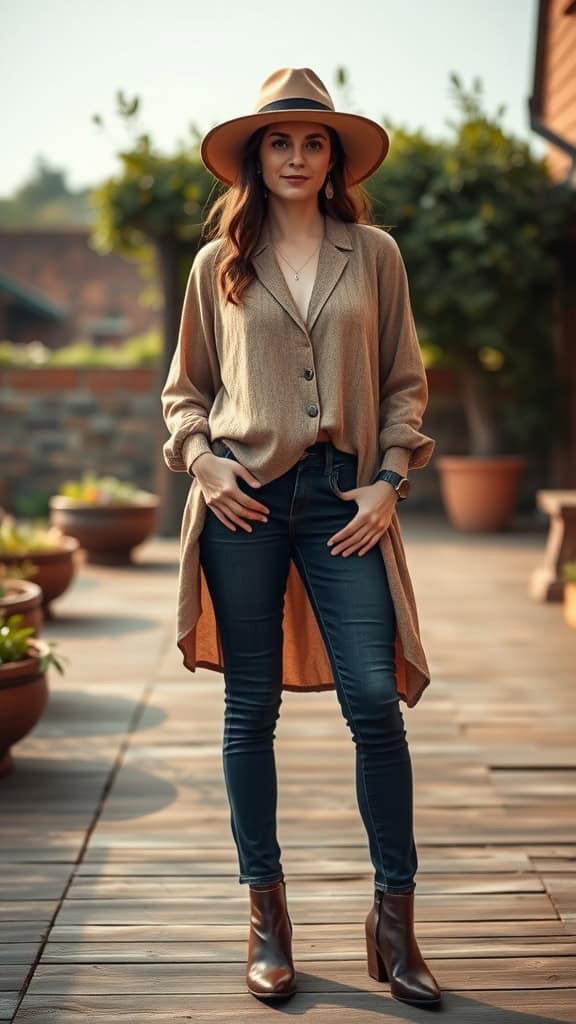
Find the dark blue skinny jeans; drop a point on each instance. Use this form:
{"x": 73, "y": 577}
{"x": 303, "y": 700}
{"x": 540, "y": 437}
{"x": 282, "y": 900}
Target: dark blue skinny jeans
{"x": 246, "y": 574}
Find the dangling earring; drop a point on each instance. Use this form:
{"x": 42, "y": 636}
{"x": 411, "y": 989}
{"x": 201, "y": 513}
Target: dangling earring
{"x": 329, "y": 189}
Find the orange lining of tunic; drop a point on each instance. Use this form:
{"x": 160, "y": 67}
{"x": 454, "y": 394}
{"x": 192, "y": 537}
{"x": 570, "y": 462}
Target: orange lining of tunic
{"x": 201, "y": 646}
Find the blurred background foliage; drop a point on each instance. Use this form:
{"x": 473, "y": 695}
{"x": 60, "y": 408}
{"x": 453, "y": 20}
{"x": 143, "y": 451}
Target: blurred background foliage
{"x": 141, "y": 350}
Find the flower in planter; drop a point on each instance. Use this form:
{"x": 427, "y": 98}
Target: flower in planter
{"x": 103, "y": 490}
{"x": 24, "y": 659}
{"x": 19, "y": 538}
{"x": 52, "y": 551}
{"x": 15, "y": 644}
{"x": 109, "y": 517}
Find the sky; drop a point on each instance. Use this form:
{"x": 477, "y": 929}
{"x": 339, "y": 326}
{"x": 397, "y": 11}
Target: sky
{"x": 63, "y": 61}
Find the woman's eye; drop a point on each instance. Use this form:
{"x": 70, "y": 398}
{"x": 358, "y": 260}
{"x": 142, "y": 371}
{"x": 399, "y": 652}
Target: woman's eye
{"x": 282, "y": 142}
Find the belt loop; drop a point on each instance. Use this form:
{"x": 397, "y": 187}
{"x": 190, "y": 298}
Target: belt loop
{"x": 329, "y": 458}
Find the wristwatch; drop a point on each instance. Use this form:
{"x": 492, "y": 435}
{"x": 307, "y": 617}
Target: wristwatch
{"x": 401, "y": 484}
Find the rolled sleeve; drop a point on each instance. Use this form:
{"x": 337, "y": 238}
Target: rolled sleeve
{"x": 193, "y": 377}
{"x": 403, "y": 382}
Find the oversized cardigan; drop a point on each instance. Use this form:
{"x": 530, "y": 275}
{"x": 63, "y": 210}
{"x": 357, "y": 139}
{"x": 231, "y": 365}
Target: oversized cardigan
{"x": 238, "y": 374}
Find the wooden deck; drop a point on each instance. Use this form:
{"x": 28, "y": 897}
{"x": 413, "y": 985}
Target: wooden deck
{"x": 119, "y": 897}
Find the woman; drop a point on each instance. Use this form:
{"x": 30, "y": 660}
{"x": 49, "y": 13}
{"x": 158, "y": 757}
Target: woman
{"x": 294, "y": 401}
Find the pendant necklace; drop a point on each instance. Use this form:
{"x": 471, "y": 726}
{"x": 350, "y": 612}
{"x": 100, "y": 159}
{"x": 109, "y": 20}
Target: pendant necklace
{"x": 300, "y": 269}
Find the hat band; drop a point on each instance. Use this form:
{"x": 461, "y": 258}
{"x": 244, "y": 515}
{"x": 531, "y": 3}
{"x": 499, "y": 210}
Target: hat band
{"x": 295, "y": 104}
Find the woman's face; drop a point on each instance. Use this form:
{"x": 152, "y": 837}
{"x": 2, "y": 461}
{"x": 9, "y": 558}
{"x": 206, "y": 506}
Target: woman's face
{"x": 295, "y": 148}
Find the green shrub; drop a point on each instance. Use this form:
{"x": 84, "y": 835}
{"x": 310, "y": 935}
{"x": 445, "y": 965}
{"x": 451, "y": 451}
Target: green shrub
{"x": 140, "y": 350}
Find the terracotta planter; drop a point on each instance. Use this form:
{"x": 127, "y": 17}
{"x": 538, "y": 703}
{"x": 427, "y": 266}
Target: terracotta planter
{"x": 23, "y": 598}
{"x": 55, "y": 569}
{"x": 23, "y": 697}
{"x": 108, "y": 533}
{"x": 570, "y": 604}
{"x": 480, "y": 492}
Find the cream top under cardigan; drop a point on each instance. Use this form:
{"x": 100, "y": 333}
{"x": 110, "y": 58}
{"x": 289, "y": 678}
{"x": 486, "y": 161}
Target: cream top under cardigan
{"x": 266, "y": 381}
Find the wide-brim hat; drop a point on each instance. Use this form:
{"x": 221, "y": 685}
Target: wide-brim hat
{"x": 295, "y": 94}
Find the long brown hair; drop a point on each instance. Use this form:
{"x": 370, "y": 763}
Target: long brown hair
{"x": 237, "y": 216}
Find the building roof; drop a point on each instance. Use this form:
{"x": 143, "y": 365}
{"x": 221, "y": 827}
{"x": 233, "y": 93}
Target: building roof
{"x": 29, "y": 298}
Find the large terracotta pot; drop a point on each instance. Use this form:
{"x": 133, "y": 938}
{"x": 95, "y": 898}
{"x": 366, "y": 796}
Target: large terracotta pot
{"x": 55, "y": 569}
{"x": 480, "y": 492}
{"x": 23, "y": 697}
{"x": 108, "y": 533}
{"x": 23, "y": 598}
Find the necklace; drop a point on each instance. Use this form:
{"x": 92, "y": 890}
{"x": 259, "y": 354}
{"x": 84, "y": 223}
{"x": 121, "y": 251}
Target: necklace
{"x": 297, "y": 272}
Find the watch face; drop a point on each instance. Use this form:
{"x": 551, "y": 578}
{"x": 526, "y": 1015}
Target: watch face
{"x": 403, "y": 489}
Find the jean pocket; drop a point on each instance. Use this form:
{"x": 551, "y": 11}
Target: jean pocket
{"x": 343, "y": 477}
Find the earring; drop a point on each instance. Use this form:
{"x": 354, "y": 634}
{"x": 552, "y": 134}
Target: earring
{"x": 329, "y": 189}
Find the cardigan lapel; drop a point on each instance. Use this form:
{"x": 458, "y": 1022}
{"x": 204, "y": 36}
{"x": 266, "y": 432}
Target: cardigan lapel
{"x": 331, "y": 263}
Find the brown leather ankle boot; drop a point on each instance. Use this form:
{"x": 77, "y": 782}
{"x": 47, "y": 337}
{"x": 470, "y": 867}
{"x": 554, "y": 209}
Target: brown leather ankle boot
{"x": 393, "y": 952}
{"x": 270, "y": 970}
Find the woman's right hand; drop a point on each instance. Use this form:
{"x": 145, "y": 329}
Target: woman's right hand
{"x": 217, "y": 478}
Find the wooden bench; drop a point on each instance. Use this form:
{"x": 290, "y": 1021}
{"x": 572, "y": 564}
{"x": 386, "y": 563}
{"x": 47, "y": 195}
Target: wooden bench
{"x": 546, "y": 582}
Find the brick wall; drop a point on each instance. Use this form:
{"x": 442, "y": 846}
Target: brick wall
{"x": 90, "y": 286}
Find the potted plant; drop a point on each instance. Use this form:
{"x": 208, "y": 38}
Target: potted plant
{"x": 109, "y": 517}
{"x": 480, "y": 227}
{"x": 568, "y": 574}
{"x": 53, "y": 553}
{"x": 19, "y": 595}
{"x": 24, "y": 660}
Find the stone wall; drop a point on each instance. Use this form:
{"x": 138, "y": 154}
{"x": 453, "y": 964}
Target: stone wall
{"x": 58, "y": 422}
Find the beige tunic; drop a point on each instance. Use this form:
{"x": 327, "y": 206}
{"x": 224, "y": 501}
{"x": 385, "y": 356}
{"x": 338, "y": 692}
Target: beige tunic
{"x": 237, "y": 374}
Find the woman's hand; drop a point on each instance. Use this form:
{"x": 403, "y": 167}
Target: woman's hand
{"x": 217, "y": 479}
{"x": 376, "y": 504}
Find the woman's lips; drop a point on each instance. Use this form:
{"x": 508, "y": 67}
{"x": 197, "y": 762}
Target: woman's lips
{"x": 295, "y": 179}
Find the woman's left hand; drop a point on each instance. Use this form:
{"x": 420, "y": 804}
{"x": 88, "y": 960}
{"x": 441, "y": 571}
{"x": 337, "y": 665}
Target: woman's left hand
{"x": 376, "y": 504}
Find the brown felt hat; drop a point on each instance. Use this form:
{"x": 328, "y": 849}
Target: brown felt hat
{"x": 295, "y": 94}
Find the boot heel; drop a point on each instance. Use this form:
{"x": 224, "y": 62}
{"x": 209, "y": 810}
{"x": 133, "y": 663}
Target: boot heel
{"x": 376, "y": 965}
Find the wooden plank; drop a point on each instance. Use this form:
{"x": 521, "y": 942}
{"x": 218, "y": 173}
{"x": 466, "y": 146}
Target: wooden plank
{"x": 312, "y": 931}
{"x": 377, "y": 1007}
{"x": 24, "y": 931}
{"x": 16, "y": 953}
{"x": 233, "y": 910}
{"x": 17, "y": 911}
{"x": 182, "y": 888}
{"x": 169, "y": 979}
{"x": 8, "y": 1004}
{"x": 13, "y": 975}
{"x": 197, "y": 860}
{"x": 332, "y": 947}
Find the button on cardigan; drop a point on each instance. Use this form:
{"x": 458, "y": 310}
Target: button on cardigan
{"x": 265, "y": 380}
